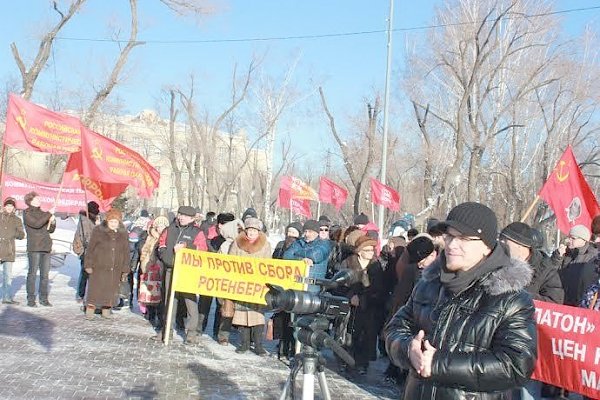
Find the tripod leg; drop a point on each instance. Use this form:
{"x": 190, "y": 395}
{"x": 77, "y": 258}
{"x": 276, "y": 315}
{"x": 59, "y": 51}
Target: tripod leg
{"x": 308, "y": 386}
{"x": 323, "y": 385}
{"x": 290, "y": 383}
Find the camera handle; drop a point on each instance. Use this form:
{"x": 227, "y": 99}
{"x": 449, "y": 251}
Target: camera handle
{"x": 311, "y": 363}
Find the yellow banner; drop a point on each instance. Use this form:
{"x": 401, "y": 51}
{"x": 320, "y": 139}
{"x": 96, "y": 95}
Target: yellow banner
{"x": 233, "y": 277}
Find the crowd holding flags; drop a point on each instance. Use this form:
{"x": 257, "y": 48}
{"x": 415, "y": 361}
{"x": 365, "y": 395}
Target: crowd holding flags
{"x": 101, "y": 167}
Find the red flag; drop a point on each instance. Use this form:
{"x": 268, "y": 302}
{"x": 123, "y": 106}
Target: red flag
{"x": 569, "y": 195}
{"x": 331, "y": 193}
{"x": 384, "y": 195}
{"x": 34, "y": 128}
{"x": 297, "y": 188}
{"x": 71, "y": 199}
{"x": 102, "y": 193}
{"x": 298, "y": 206}
{"x": 105, "y": 160}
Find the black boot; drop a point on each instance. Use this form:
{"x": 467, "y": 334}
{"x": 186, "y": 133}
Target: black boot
{"x": 257, "y": 338}
{"x": 244, "y": 339}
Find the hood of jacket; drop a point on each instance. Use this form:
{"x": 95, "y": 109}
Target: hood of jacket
{"x": 230, "y": 230}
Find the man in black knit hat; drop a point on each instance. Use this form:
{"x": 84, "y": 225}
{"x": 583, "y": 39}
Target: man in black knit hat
{"x": 468, "y": 328}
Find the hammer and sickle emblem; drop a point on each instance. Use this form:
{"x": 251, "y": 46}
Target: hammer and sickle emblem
{"x": 21, "y": 120}
{"x": 562, "y": 171}
{"x": 97, "y": 153}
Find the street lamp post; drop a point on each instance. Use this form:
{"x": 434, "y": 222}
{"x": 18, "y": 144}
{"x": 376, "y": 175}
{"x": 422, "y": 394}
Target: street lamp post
{"x": 386, "y": 106}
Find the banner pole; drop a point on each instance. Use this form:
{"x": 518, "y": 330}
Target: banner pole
{"x": 291, "y": 212}
{"x": 170, "y": 299}
{"x": 2, "y": 166}
{"x": 530, "y": 209}
{"x": 319, "y": 209}
{"x": 373, "y": 212}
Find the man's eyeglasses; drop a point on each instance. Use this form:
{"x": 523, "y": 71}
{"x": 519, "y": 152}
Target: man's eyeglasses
{"x": 324, "y": 229}
{"x": 461, "y": 239}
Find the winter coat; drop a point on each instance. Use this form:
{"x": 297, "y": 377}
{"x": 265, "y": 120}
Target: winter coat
{"x": 282, "y": 246}
{"x": 366, "y": 319}
{"x": 318, "y": 251}
{"x": 189, "y": 234}
{"x": 579, "y": 271}
{"x": 485, "y": 335}
{"x": 38, "y": 233}
{"x": 545, "y": 284}
{"x": 247, "y": 314}
{"x": 108, "y": 257}
{"x": 11, "y": 228}
{"x": 85, "y": 226}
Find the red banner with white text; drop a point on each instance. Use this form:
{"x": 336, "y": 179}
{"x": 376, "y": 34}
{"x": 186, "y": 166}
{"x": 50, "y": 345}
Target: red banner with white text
{"x": 298, "y": 189}
{"x": 298, "y": 206}
{"x": 384, "y": 195}
{"x": 331, "y": 193}
{"x": 568, "y": 348}
{"x": 70, "y": 201}
{"x": 35, "y": 128}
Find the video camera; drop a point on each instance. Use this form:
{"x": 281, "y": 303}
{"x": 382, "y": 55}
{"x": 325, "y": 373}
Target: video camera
{"x": 317, "y": 309}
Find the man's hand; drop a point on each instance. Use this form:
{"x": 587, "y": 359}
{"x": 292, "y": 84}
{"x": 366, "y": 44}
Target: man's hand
{"x": 89, "y": 270}
{"x": 124, "y": 277}
{"x": 308, "y": 261}
{"x": 355, "y": 301}
{"x": 179, "y": 246}
{"x": 427, "y": 360}
{"x": 562, "y": 249}
{"x": 52, "y": 210}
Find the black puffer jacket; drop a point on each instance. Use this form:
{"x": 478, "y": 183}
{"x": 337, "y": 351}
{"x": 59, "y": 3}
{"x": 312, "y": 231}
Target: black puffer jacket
{"x": 485, "y": 336}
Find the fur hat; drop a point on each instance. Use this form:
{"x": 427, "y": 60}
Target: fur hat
{"x": 10, "y": 200}
{"x": 160, "y": 223}
{"x": 251, "y": 222}
{"x": 353, "y": 237}
{"x": 364, "y": 241}
{"x": 250, "y": 212}
{"x": 473, "y": 219}
{"x": 580, "y": 231}
{"x": 187, "y": 210}
{"x": 419, "y": 248}
{"x": 225, "y": 217}
{"x": 519, "y": 233}
{"x": 596, "y": 225}
{"x": 114, "y": 213}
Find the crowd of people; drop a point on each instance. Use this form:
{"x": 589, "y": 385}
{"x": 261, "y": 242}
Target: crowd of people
{"x": 450, "y": 307}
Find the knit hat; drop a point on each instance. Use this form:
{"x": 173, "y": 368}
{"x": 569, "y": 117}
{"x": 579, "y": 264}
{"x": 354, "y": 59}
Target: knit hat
{"x": 144, "y": 213}
{"x": 353, "y": 237}
{"x": 114, "y": 213}
{"x": 519, "y": 233}
{"x": 324, "y": 220}
{"x": 361, "y": 219}
{"x": 10, "y": 200}
{"x": 187, "y": 210}
{"x": 225, "y": 217}
{"x": 250, "y": 212}
{"x": 311, "y": 225}
{"x": 295, "y": 225}
{"x": 580, "y": 231}
{"x": 419, "y": 248}
{"x": 473, "y": 219}
{"x": 252, "y": 222}
{"x": 364, "y": 241}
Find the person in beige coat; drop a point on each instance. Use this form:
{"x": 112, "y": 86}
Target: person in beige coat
{"x": 248, "y": 317}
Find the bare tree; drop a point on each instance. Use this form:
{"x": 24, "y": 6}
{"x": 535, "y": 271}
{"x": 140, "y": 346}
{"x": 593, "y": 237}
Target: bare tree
{"x": 358, "y": 160}
{"x": 30, "y": 75}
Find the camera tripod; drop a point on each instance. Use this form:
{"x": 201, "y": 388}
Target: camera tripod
{"x": 312, "y": 363}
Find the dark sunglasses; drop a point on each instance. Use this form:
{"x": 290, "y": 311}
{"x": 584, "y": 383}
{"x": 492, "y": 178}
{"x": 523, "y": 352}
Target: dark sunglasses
{"x": 324, "y": 229}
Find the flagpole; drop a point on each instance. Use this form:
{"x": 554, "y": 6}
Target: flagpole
{"x": 533, "y": 203}
{"x": 318, "y": 209}
{"x": 291, "y": 212}
{"x": 386, "y": 107}
{"x": 373, "y": 212}
{"x": 2, "y": 165}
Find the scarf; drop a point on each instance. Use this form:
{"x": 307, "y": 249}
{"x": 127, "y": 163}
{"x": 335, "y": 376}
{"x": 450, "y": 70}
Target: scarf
{"x": 457, "y": 281}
